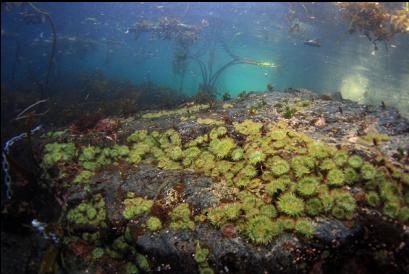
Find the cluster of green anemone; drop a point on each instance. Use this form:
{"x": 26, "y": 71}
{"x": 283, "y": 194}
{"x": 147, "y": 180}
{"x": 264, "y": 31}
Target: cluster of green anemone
{"x": 181, "y": 217}
{"x": 286, "y": 177}
{"x": 301, "y": 178}
{"x": 134, "y": 206}
{"x": 88, "y": 213}
{"x": 56, "y": 152}
{"x": 180, "y": 111}
{"x": 89, "y": 158}
{"x": 83, "y": 177}
{"x": 93, "y": 157}
{"x": 120, "y": 248}
{"x": 208, "y": 121}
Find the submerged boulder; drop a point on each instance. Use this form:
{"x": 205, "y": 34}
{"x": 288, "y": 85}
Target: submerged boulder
{"x": 264, "y": 183}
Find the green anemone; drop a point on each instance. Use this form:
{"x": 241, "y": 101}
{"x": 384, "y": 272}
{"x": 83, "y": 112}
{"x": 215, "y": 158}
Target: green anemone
{"x": 249, "y": 171}
{"x": 344, "y": 204}
{"x": 242, "y": 181}
{"x": 307, "y": 186}
{"x": 351, "y": 176}
{"x": 305, "y": 227}
{"x": 277, "y": 134}
{"x": 391, "y": 209}
{"x": 355, "y": 161}
{"x": 336, "y": 177}
{"x": 256, "y": 156}
{"x": 302, "y": 165}
{"x": 136, "y": 206}
{"x": 222, "y": 148}
{"x": 201, "y": 254}
{"x": 286, "y": 223}
{"x": 368, "y": 171}
{"x": 261, "y": 229}
{"x": 289, "y": 204}
{"x": 231, "y": 211}
{"x": 338, "y": 212}
{"x": 279, "y": 144}
{"x": 206, "y": 270}
{"x": 216, "y": 216}
{"x": 138, "y": 136}
{"x": 340, "y": 158}
{"x": 176, "y": 153}
{"x": 372, "y": 199}
{"x": 237, "y": 154}
{"x": 275, "y": 187}
{"x": 97, "y": 253}
{"x": 318, "y": 150}
{"x": 327, "y": 164}
{"x": 404, "y": 215}
{"x": 154, "y": 223}
{"x": 268, "y": 210}
{"x": 314, "y": 207}
{"x": 279, "y": 166}
{"x": 181, "y": 218}
{"x": 217, "y": 132}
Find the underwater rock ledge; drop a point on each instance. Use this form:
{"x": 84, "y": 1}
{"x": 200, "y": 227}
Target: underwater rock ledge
{"x": 288, "y": 182}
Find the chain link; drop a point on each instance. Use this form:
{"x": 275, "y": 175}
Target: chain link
{"x": 5, "y": 164}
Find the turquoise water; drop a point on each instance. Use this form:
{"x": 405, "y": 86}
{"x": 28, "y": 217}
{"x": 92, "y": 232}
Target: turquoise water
{"x": 345, "y": 63}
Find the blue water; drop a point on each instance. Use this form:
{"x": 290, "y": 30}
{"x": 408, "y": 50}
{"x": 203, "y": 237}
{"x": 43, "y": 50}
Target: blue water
{"x": 256, "y": 31}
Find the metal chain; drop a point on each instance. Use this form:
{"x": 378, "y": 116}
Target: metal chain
{"x": 5, "y": 164}
{"x": 41, "y": 228}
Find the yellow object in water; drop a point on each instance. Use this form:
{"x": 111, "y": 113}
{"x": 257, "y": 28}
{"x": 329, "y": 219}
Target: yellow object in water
{"x": 267, "y": 65}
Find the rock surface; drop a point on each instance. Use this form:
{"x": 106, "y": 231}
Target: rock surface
{"x": 369, "y": 244}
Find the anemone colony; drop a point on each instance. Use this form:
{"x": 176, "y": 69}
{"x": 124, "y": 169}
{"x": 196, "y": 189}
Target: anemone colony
{"x": 282, "y": 179}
